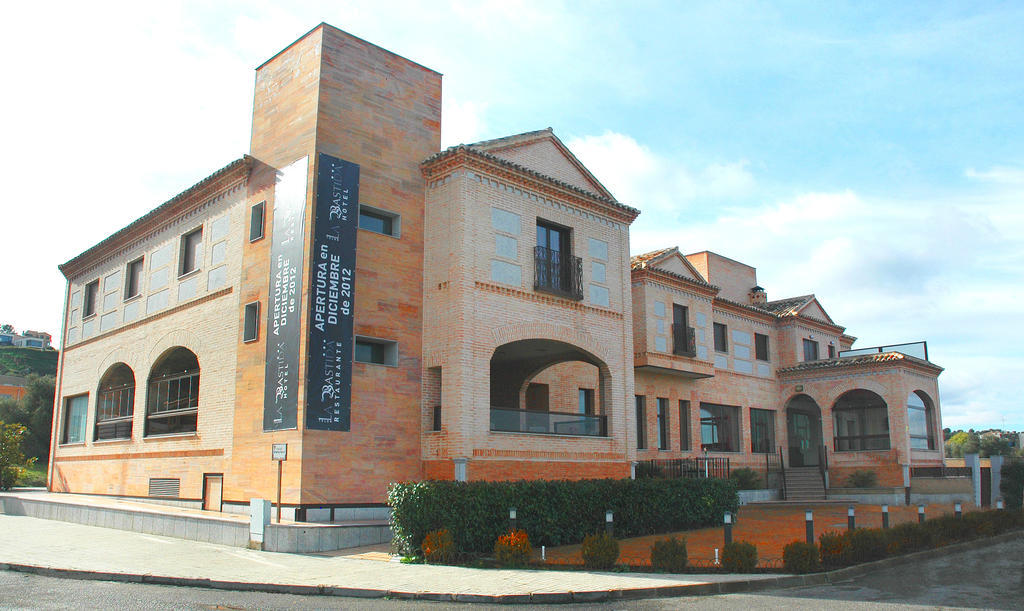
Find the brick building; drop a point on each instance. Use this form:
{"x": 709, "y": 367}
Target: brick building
{"x": 394, "y": 312}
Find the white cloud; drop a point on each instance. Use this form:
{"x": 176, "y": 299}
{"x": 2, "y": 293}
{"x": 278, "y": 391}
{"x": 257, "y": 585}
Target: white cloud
{"x": 461, "y": 122}
{"x": 998, "y": 174}
{"x": 890, "y": 269}
{"x": 641, "y": 178}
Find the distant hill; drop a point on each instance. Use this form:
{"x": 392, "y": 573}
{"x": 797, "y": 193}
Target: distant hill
{"x": 23, "y": 361}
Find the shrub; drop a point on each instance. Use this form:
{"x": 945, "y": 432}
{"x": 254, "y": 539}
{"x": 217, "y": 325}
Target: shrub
{"x": 835, "y": 549}
{"x": 553, "y": 512}
{"x": 600, "y": 551}
{"x": 12, "y": 458}
{"x": 800, "y": 557}
{"x": 908, "y": 537}
{"x": 438, "y": 547}
{"x": 746, "y": 478}
{"x": 1012, "y": 484}
{"x": 862, "y": 479}
{"x": 669, "y": 555}
{"x": 739, "y": 557}
{"x": 867, "y": 544}
{"x": 513, "y": 549}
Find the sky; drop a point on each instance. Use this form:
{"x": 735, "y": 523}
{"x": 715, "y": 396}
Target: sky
{"x": 869, "y": 153}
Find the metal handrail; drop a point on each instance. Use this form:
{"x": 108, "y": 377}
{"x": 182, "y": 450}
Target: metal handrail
{"x": 782, "y": 469}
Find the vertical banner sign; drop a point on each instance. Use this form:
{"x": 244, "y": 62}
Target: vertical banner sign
{"x": 332, "y": 282}
{"x": 280, "y": 391}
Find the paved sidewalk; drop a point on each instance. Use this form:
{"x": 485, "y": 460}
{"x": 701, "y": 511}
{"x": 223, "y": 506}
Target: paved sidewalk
{"x": 121, "y": 555}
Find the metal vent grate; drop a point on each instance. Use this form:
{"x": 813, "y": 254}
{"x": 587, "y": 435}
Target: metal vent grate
{"x": 164, "y": 486}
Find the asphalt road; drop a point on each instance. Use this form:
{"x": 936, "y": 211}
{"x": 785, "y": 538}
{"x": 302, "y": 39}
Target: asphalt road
{"x": 989, "y": 578}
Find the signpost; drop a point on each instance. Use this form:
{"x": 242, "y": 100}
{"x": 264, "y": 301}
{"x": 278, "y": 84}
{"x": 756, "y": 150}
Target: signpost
{"x": 279, "y": 452}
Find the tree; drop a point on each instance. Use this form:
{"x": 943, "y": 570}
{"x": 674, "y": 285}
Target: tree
{"x": 962, "y": 443}
{"x": 994, "y": 445}
{"x": 35, "y": 412}
{"x": 6, "y": 328}
{"x": 12, "y": 459}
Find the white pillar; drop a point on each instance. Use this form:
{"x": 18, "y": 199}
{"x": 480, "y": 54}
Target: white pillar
{"x": 972, "y": 461}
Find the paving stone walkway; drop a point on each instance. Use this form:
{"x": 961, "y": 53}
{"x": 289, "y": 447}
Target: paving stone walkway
{"x": 109, "y": 553}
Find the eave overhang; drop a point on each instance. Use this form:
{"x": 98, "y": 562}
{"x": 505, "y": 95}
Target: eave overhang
{"x": 179, "y": 205}
{"x": 462, "y": 156}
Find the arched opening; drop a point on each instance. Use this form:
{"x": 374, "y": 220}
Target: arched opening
{"x": 548, "y": 387}
{"x": 861, "y": 422}
{"x": 921, "y": 421}
{"x": 803, "y": 426}
{"x": 172, "y": 401}
{"x": 115, "y": 403}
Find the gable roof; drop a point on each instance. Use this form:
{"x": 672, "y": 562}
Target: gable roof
{"x": 658, "y": 258}
{"x": 525, "y": 149}
{"x": 796, "y": 306}
{"x": 790, "y": 306}
{"x": 469, "y": 153}
{"x": 641, "y": 261}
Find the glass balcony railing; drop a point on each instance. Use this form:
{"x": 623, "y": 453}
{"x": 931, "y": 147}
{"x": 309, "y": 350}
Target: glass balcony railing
{"x": 915, "y": 349}
{"x": 547, "y": 423}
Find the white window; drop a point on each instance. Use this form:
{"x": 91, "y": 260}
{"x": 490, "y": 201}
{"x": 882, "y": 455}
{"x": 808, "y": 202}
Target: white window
{"x": 75, "y": 412}
{"x": 191, "y": 255}
{"x": 133, "y": 279}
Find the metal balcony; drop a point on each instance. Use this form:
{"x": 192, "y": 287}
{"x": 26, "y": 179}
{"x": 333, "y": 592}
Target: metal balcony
{"x": 684, "y": 342}
{"x": 558, "y": 273}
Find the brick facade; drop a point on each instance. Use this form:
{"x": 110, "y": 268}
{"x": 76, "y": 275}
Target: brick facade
{"x": 506, "y": 284}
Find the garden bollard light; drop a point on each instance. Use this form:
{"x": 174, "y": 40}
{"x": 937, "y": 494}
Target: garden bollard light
{"x": 608, "y": 526}
{"x": 850, "y": 518}
{"x": 920, "y": 513}
{"x": 728, "y": 527}
{"x": 999, "y": 504}
{"x": 885, "y": 516}
{"x": 512, "y": 518}
{"x": 958, "y": 509}
{"x": 809, "y": 519}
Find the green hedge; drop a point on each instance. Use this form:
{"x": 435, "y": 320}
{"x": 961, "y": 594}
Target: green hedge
{"x": 839, "y": 549}
{"x": 553, "y": 512}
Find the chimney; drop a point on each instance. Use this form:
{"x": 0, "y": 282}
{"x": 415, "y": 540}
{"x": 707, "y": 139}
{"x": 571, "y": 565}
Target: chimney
{"x": 758, "y": 296}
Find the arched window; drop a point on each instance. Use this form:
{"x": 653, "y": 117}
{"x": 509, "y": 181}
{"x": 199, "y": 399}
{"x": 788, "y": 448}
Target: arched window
{"x": 115, "y": 403}
{"x": 919, "y": 421}
{"x": 172, "y": 402}
{"x": 861, "y": 422}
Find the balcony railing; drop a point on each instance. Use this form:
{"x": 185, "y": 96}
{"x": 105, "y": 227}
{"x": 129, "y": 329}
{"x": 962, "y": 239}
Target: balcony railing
{"x": 916, "y": 349}
{"x": 684, "y": 342}
{"x": 547, "y": 423}
{"x": 690, "y": 468}
{"x": 558, "y": 272}
{"x": 859, "y": 443}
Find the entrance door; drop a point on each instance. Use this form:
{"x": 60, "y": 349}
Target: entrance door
{"x": 803, "y": 442}
{"x": 213, "y": 491}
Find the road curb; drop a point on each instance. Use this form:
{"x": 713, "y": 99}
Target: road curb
{"x": 585, "y": 596}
